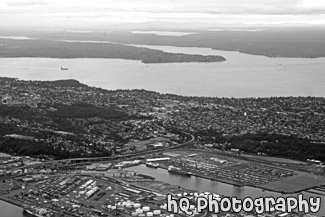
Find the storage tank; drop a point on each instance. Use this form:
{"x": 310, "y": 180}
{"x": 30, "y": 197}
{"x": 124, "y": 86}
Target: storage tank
{"x": 146, "y": 208}
{"x": 149, "y": 214}
{"x": 137, "y": 205}
{"x": 140, "y": 211}
{"x": 109, "y": 206}
{"x": 113, "y": 207}
{"x": 156, "y": 212}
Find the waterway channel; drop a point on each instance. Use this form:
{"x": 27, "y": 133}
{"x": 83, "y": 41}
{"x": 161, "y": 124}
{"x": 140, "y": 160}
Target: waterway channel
{"x": 9, "y": 210}
{"x": 206, "y": 185}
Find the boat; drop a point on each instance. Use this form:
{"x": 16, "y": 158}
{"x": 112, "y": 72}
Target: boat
{"x": 154, "y": 165}
{"x": 64, "y": 68}
{"x": 179, "y": 171}
{"x": 36, "y": 211}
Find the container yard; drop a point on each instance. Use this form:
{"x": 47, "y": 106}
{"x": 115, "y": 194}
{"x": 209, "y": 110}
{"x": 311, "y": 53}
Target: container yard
{"x": 221, "y": 168}
{"x": 90, "y": 196}
{"x": 105, "y": 189}
{"x": 234, "y": 169}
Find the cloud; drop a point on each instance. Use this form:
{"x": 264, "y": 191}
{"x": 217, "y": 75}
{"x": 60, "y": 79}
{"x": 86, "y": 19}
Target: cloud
{"x": 23, "y": 3}
{"x": 268, "y": 7}
{"x": 313, "y": 4}
{"x": 113, "y": 11}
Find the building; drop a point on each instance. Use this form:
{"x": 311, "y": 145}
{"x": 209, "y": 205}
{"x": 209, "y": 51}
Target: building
{"x": 158, "y": 159}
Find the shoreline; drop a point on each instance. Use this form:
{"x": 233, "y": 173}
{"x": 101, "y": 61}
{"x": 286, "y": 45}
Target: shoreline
{"x": 239, "y": 185}
{"x": 10, "y": 201}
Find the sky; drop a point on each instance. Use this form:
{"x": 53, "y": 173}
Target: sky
{"x": 78, "y": 13}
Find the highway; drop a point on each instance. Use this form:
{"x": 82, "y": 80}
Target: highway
{"x": 71, "y": 161}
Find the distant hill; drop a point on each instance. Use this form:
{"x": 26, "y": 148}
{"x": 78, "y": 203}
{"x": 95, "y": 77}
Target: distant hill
{"x": 61, "y": 49}
{"x": 271, "y": 42}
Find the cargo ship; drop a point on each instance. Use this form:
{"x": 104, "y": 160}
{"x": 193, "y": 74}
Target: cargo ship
{"x": 62, "y": 68}
{"x": 36, "y": 212}
{"x": 179, "y": 171}
{"x": 154, "y": 165}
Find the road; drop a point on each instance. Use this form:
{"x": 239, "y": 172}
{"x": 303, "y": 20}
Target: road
{"x": 99, "y": 159}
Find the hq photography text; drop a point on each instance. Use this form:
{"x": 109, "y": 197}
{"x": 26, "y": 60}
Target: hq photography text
{"x": 232, "y": 204}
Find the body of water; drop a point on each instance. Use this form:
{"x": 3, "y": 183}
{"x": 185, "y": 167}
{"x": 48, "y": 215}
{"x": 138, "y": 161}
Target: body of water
{"x": 242, "y": 75}
{"x": 9, "y": 210}
{"x": 205, "y": 185}
{"x": 194, "y": 183}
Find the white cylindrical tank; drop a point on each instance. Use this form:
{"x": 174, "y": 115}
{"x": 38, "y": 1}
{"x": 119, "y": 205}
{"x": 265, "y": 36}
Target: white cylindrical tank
{"x": 146, "y": 208}
{"x": 109, "y": 206}
{"x": 113, "y": 207}
{"x": 137, "y": 205}
{"x": 156, "y": 212}
{"x": 140, "y": 211}
{"x": 149, "y": 214}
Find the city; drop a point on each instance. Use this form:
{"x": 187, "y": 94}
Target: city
{"x": 73, "y": 149}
